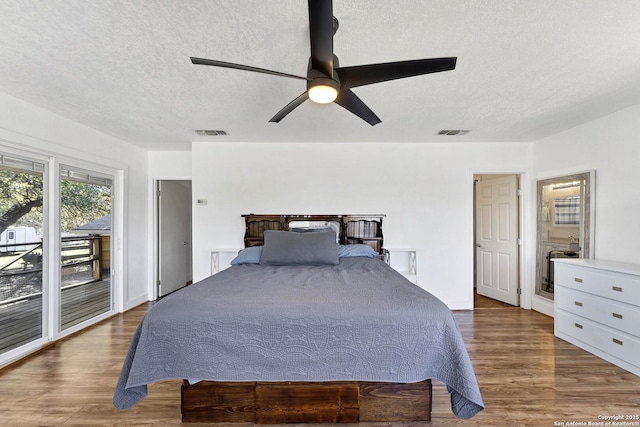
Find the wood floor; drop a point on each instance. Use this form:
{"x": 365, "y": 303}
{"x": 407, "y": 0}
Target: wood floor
{"x": 526, "y": 375}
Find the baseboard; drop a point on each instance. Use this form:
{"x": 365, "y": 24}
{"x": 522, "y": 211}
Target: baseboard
{"x": 136, "y": 302}
{"x": 542, "y": 305}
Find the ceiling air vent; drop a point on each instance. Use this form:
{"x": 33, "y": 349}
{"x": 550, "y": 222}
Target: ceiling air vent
{"x": 211, "y": 132}
{"x": 453, "y": 132}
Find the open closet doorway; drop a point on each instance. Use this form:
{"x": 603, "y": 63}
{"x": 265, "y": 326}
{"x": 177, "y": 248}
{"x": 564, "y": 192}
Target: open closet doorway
{"x": 497, "y": 237}
{"x": 173, "y": 236}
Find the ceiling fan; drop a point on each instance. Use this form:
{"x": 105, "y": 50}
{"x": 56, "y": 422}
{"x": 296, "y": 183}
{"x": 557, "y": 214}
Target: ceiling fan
{"x": 327, "y": 81}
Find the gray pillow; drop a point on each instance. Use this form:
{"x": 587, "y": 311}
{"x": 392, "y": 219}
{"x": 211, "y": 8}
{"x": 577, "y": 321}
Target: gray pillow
{"x": 358, "y": 249}
{"x": 286, "y": 248}
{"x": 248, "y": 256}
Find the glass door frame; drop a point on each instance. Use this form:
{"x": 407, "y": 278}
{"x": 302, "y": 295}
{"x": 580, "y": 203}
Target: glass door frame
{"x": 51, "y": 265}
{"x": 116, "y": 246}
{"x": 13, "y": 354}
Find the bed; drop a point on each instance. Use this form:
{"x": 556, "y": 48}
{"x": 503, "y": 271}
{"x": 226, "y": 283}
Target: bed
{"x": 302, "y": 329}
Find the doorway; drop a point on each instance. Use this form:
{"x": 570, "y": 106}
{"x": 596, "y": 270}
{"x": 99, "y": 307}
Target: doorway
{"x": 173, "y": 236}
{"x": 497, "y": 237}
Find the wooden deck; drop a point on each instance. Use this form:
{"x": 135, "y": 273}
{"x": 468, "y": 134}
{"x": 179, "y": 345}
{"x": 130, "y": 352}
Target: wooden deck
{"x": 83, "y": 302}
{"x": 21, "y": 322}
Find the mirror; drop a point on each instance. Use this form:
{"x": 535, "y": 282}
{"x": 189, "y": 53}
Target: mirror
{"x": 310, "y": 226}
{"x": 565, "y": 224}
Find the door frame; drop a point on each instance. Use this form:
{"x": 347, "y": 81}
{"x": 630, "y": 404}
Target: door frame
{"x": 117, "y": 233}
{"x": 153, "y": 287}
{"x": 523, "y": 267}
{"x": 51, "y": 243}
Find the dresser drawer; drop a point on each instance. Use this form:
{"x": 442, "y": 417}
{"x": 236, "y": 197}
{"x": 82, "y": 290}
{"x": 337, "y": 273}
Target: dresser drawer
{"x": 619, "y": 345}
{"x": 616, "y": 315}
{"x": 609, "y": 284}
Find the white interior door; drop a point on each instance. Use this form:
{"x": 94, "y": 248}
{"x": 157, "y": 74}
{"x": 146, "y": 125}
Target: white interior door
{"x": 497, "y": 238}
{"x": 174, "y": 235}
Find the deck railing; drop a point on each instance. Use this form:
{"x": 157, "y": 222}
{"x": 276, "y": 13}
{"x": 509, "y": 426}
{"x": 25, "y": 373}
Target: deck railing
{"x": 20, "y": 271}
{"x": 85, "y": 289}
{"x": 21, "y": 267}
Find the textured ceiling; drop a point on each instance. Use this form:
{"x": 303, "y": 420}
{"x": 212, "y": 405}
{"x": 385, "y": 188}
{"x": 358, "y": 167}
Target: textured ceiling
{"x": 526, "y": 69}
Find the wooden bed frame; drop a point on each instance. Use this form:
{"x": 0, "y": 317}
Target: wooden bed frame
{"x": 308, "y": 402}
{"x": 352, "y": 229}
{"x": 304, "y": 402}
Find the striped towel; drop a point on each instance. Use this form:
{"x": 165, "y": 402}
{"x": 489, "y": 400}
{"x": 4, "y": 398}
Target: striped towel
{"x": 567, "y": 210}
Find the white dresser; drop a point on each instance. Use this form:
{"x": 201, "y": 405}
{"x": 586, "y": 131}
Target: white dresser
{"x": 597, "y": 308}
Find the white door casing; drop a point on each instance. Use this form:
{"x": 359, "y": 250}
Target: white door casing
{"x": 497, "y": 239}
{"x": 174, "y": 236}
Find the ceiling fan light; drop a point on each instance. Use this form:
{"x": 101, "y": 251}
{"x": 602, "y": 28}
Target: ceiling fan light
{"x": 323, "y": 94}
{"x": 323, "y": 91}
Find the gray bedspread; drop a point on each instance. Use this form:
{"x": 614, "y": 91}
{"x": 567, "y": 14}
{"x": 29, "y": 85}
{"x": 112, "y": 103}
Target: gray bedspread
{"x": 359, "y": 320}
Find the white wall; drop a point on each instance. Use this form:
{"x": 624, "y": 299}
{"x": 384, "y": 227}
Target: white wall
{"x": 170, "y": 165}
{"x": 27, "y": 128}
{"x": 426, "y": 191}
{"x": 610, "y": 146}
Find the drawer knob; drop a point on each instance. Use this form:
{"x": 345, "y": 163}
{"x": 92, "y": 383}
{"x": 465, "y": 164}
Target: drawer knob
{"x": 616, "y": 288}
{"x": 616, "y": 315}
{"x": 578, "y": 303}
{"x": 578, "y": 325}
{"x": 617, "y": 341}
{"x": 577, "y": 279}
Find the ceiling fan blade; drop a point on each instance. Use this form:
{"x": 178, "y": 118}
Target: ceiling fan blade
{"x": 289, "y": 107}
{"x": 214, "y": 63}
{"x": 321, "y": 35}
{"x": 361, "y": 75}
{"x": 349, "y": 100}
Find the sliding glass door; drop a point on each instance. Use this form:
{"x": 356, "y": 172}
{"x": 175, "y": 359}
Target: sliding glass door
{"x": 85, "y": 246}
{"x": 56, "y": 260}
{"x": 21, "y": 252}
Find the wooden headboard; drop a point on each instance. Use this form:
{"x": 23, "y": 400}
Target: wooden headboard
{"x": 352, "y": 229}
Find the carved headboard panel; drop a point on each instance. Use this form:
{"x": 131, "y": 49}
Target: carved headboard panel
{"x": 353, "y": 229}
